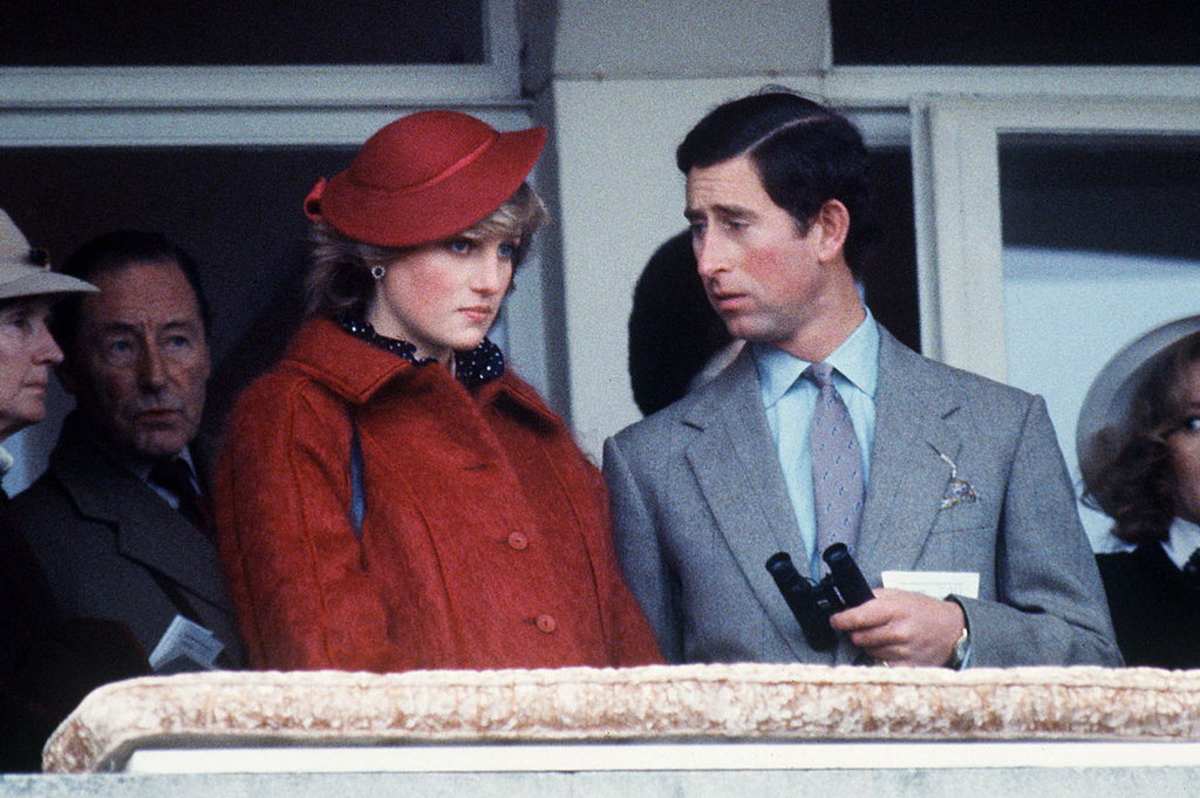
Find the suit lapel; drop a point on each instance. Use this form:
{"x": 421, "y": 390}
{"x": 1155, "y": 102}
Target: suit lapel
{"x": 908, "y": 479}
{"x": 735, "y": 464}
{"x": 147, "y": 529}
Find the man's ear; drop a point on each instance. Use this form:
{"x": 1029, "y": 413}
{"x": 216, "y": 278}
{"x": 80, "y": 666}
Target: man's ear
{"x": 832, "y": 222}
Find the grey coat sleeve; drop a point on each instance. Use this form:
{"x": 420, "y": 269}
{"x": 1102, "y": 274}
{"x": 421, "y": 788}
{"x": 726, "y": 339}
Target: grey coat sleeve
{"x": 1050, "y": 607}
{"x": 639, "y": 551}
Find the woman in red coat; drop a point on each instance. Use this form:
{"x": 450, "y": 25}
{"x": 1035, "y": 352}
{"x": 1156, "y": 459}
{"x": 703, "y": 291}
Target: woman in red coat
{"x": 390, "y": 496}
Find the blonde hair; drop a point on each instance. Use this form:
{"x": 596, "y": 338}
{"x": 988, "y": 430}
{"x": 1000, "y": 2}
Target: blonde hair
{"x": 340, "y": 282}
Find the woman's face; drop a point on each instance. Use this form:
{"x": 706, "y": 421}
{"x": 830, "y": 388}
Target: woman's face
{"x": 443, "y": 297}
{"x": 1183, "y": 443}
{"x": 27, "y": 352}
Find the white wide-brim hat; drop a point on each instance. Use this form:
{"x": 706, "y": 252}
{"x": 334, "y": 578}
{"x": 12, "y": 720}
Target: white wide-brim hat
{"x": 1110, "y": 399}
{"x": 25, "y": 271}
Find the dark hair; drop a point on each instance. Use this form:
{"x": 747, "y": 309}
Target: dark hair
{"x": 111, "y": 252}
{"x": 673, "y": 330}
{"x": 1127, "y": 469}
{"x": 805, "y": 154}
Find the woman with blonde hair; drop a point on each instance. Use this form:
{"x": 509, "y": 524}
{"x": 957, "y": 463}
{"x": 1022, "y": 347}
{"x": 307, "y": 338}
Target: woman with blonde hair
{"x": 391, "y": 495}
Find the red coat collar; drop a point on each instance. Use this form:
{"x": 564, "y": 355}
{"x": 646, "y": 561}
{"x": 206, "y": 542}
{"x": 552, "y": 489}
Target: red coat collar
{"x": 355, "y": 370}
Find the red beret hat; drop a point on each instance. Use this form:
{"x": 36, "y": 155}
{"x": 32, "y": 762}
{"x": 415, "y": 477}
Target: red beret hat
{"x": 425, "y": 177}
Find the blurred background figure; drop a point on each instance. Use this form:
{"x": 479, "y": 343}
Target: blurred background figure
{"x": 1140, "y": 457}
{"x": 45, "y": 666}
{"x": 677, "y": 342}
{"x": 391, "y": 496}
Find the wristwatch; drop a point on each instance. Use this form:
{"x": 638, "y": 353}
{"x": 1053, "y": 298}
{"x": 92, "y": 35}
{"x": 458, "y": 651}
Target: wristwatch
{"x": 961, "y": 647}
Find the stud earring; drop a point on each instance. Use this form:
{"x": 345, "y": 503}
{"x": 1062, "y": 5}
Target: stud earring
{"x": 377, "y": 272}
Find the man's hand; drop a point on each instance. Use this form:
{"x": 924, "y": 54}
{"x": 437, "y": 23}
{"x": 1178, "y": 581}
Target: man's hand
{"x": 903, "y": 628}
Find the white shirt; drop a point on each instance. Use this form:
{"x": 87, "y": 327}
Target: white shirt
{"x": 1182, "y": 540}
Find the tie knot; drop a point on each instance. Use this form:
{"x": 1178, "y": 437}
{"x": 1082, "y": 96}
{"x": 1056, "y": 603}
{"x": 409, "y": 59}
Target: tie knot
{"x": 821, "y": 374}
{"x": 175, "y": 475}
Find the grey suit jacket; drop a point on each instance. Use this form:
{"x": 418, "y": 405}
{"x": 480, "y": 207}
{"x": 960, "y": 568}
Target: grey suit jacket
{"x": 699, "y": 504}
{"x": 102, "y": 535}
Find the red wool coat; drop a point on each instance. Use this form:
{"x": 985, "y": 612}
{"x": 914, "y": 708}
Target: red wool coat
{"x": 485, "y": 543}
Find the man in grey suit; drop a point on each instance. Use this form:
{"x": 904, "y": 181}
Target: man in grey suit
{"x": 118, "y": 521}
{"x": 948, "y": 471}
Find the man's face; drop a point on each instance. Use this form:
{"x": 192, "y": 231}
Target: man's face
{"x": 760, "y": 273}
{"x": 140, "y": 363}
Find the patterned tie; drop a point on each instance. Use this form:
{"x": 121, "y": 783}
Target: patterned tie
{"x": 176, "y": 476}
{"x": 836, "y": 464}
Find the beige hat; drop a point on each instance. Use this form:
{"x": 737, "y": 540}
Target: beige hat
{"x": 1109, "y": 402}
{"x": 25, "y": 271}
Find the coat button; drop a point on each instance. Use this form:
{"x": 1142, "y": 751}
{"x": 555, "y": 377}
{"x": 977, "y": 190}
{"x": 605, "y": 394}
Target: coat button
{"x": 519, "y": 541}
{"x": 546, "y": 623}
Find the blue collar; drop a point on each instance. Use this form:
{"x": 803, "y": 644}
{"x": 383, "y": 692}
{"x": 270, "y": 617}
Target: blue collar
{"x": 856, "y": 360}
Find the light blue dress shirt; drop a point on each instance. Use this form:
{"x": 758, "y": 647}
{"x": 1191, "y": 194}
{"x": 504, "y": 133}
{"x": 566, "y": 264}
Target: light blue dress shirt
{"x": 789, "y": 402}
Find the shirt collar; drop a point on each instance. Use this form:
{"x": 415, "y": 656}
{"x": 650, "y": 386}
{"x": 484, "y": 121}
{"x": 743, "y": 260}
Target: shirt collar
{"x": 141, "y": 467}
{"x": 856, "y": 359}
{"x": 1182, "y": 540}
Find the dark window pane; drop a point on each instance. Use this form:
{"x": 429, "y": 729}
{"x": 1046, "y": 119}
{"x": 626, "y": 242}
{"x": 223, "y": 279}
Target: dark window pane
{"x": 242, "y": 33}
{"x": 237, "y": 210}
{"x": 889, "y": 273}
{"x": 1102, "y": 193}
{"x": 1015, "y": 32}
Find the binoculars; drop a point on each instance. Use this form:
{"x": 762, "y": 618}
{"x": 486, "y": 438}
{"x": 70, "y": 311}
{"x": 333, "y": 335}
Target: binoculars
{"x": 813, "y": 602}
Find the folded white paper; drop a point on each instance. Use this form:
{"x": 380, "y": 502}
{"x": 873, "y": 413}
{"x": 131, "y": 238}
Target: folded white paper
{"x": 185, "y": 642}
{"x": 937, "y": 584}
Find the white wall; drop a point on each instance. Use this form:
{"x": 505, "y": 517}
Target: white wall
{"x": 689, "y": 38}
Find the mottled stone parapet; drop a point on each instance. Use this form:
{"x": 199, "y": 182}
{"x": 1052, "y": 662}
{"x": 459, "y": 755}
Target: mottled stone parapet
{"x": 661, "y": 703}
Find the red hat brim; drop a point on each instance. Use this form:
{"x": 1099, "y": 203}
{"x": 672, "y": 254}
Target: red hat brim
{"x": 465, "y": 193}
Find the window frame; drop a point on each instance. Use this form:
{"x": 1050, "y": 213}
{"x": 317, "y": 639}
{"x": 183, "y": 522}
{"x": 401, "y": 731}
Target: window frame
{"x": 33, "y": 89}
{"x": 280, "y": 106}
{"x": 960, "y": 249}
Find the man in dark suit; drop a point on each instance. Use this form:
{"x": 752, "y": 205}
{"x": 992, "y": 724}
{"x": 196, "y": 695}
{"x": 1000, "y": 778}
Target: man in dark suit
{"x": 827, "y": 428}
{"x": 119, "y": 522}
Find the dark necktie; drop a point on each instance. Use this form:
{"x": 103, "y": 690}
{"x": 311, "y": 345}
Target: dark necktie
{"x": 836, "y": 464}
{"x": 1191, "y": 570}
{"x": 176, "y": 476}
